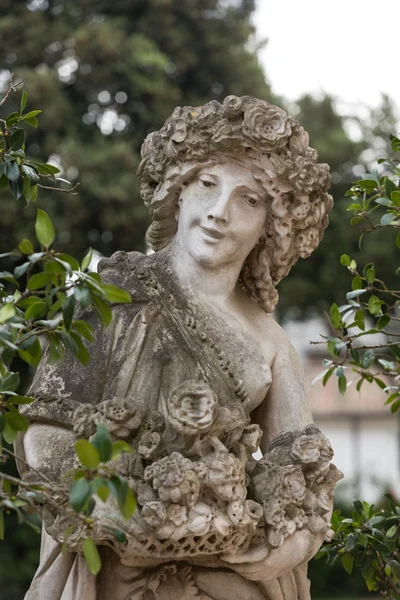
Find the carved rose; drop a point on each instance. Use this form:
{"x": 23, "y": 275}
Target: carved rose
{"x": 84, "y": 425}
{"x": 200, "y": 518}
{"x": 176, "y": 479}
{"x": 251, "y": 438}
{"x": 191, "y": 408}
{"x": 266, "y": 125}
{"x": 225, "y": 475}
{"x": 177, "y": 514}
{"x": 120, "y": 419}
{"x": 306, "y": 176}
{"x": 232, "y": 107}
{"x": 180, "y": 130}
{"x": 148, "y": 443}
{"x": 154, "y": 514}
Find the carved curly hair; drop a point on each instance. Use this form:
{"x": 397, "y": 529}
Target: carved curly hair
{"x": 275, "y": 148}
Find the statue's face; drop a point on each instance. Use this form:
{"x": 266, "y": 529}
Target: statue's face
{"x": 222, "y": 215}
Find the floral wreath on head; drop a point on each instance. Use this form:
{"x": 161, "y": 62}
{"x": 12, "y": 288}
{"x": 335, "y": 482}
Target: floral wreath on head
{"x": 277, "y": 147}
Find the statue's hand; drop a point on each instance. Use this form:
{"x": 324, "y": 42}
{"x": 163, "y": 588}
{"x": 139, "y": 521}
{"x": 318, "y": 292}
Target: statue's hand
{"x": 260, "y": 564}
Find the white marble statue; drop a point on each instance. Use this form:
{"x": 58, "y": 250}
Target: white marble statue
{"x": 196, "y": 374}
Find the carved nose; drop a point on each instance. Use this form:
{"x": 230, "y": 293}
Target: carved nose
{"x": 219, "y": 211}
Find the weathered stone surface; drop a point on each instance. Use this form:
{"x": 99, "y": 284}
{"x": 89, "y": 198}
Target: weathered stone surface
{"x": 195, "y": 375}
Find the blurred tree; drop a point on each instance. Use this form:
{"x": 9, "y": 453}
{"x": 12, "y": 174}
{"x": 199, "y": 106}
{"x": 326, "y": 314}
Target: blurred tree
{"x": 314, "y": 284}
{"x": 105, "y": 75}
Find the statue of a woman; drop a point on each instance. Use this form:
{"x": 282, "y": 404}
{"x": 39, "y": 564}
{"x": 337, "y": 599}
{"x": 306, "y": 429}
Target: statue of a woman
{"x": 196, "y": 375}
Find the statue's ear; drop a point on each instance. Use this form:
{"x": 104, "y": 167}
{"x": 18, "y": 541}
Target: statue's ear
{"x": 178, "y": 209}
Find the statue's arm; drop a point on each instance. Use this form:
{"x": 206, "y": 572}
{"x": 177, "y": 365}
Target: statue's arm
{"x": 285, "y": 406}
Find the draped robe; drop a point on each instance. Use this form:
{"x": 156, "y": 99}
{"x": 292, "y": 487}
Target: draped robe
{"x": 150, "y": 348}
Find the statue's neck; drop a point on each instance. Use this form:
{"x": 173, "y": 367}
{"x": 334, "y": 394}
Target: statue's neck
{"x": 209, "y": 284}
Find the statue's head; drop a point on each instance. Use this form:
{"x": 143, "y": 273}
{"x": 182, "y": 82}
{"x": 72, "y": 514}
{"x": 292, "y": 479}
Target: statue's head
{"x": 259, "y": 154}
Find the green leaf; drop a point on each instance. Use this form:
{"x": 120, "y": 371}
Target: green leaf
{"x": 9, "y": 432}
{"x": 69, "y": 259}
{"x": 102, "y": 441}
{"x": 395, "y": 198}
{"x": 87, "y": 454}
{"x": 374, "y": 305}
{"x": 370, "y": 275}
{"x": 354, "y": 294}
{"x": 16, "y": 420}
{"x": 86, "y": 260}
{"x": 102, "y": 310}
{"x": 347, "y": 562}
{"x": 68, "y": 341}
{"x": 36, "y": 311}
{"x": 345, "y": 259}
{"x": 26, "y": 247}
{"x": 383, "y": 321}
{"x": 33, "y": 354}
{"x": 351, "y": 542}
{"x": 130, "y": 505}
{"x": 92, "y": 556}
{"x": 114, "y": 294}
{"x": 7, "y": 311}
{"x": 39, "y": 280}
{"x": 31, "y": 174}
{"x": 24, "y": 98}
{"x": 359, "y": 319}
{"x": 44, "y": 228}
{"x": 84, "y": 330}
{"x": 11, "y": 170}
{"x": 68, "y": 311}
{"x": 2, "y": 526}
{"x": 20, "y": 400}
{"x": 79, "y": 494}
{"x": 10, "y": 382}
{"x": 342, "y": 384}
{"x": 391, "y": 531}
{"x": 56, "y": 350}
{"x": 82, "y": 353}
{"x": 356, "y": 284}
{"x": 388, "y": 218}
{"x": 118, "y": 534}
{"x": 83, "y": 295}
{"x": 384, "y": 202}
{"x": 327, "y": 377}
{"x": 17, "y": 139}
{"x": 120, "y": 446}
{"x": 398, "y": 240}
{"x": 336, "y": 319}
{"x": 32, "y": 121}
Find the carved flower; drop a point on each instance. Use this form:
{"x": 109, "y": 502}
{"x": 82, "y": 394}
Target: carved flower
{"x": 225, "y": 475}
{"x": 154, "y": 513}
{"x": 200, "y": 518}
{"x": 84, "y": 425}
{"x": 306, "y": 176}
{"x": 177, "y": 514}
{"x": 119, "y": 418}
{"x": 176, "y": 479}
{"x": 307, "y": 241}
{"x": 251, "y": 437}
{"x": 148, "y": 444}
{"x": 232, "y": 107}
{"x": 180, "y": 130}
{"x": 191, "y": 407}
{"x": 266, "y": 125}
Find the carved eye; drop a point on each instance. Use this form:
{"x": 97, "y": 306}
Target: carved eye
{"x": 250, "y": 200}
{"x": 206, "y": 183}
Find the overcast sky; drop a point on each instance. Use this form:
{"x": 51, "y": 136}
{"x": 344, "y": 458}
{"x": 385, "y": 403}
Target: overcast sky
{"x": 348, "y": 48}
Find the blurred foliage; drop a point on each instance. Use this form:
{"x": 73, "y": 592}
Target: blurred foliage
{"x": 368, "y": 540}
{"x": 106, "y": 74}
{"x": 314, "y": 283}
